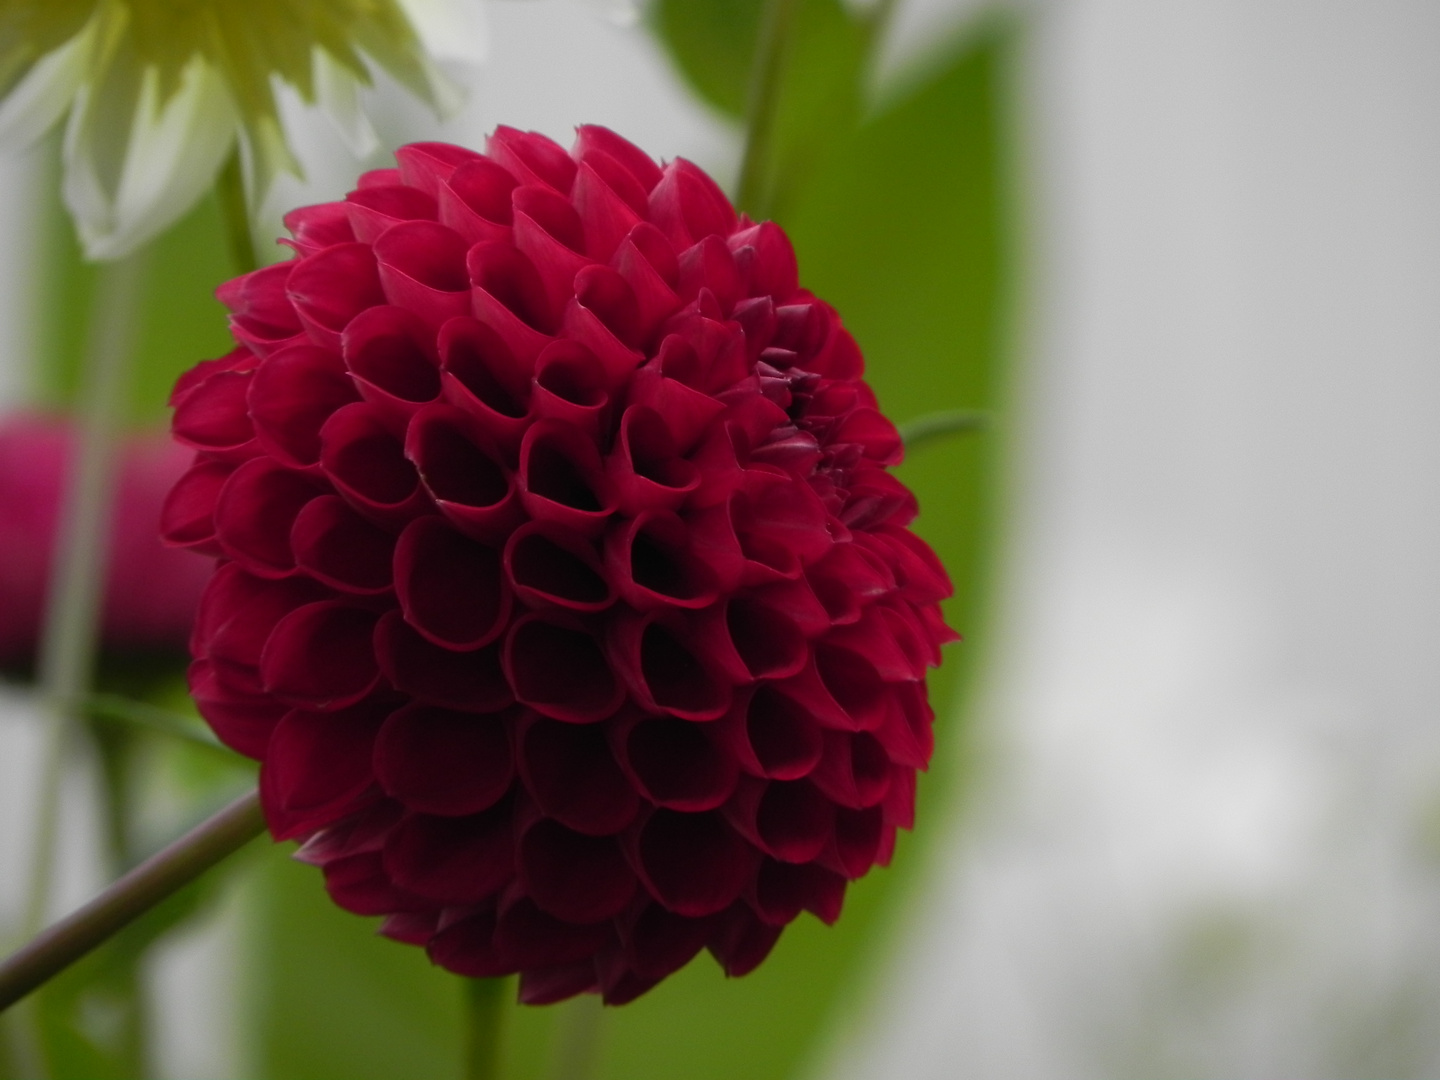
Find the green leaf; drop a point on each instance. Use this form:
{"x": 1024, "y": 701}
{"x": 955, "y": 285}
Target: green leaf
{"x": 712, "y": 42}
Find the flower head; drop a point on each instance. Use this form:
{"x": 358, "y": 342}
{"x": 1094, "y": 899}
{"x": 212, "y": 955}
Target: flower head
{"x": 151, "y": 591}
{"x": 157, "y": 91}
{"x": 563, "y": 592}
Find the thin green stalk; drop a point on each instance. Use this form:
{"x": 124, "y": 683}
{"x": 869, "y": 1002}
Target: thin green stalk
{"x": 484, "y": 1018}
{"x": 931, "y": 426}
{"x": 230, "y": 190}
{"x": 146, "y": 717}
{"x": 68, "y": 643}
{"x": 575, "y": 1043}
{"x": 776, "y": 25}
{"x": 164, "y": 873}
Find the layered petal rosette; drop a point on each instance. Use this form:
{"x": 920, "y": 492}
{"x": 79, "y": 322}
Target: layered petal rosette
{"x": 562, "y": 589}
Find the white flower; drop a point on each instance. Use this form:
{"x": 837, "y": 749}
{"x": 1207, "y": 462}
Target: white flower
{"x": 158, "y": 91}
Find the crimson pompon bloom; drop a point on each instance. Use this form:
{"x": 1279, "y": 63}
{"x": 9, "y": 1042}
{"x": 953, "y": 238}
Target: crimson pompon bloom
{"x": 562, "y": 592}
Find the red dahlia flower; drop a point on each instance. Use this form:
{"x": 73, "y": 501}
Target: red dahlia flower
{"x": 562, "y": 590}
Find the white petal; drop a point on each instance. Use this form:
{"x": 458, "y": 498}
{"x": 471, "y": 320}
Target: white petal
{"x": 450, "y": 29}
{"x": 171, "y": 160}
{"x": 48, "y": 89}
{"x": 337, "y": 93}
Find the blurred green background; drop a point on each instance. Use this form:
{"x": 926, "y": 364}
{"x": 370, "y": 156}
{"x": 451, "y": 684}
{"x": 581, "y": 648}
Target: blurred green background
{"x": 897, "y": 209}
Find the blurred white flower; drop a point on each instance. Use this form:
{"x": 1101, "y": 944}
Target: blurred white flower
{"x": 158, "y": 91}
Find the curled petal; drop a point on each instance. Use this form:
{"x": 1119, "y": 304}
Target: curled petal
{"x": 187, "y": 518}
{"x": 689, "y": 206}
{"x": 532, "y": 157}
{"x": 440, "y": 761}
{"x": 254, "y": 514}
{"x": 291, "y": 396}
{"x": 561, "y": 478}
{"x": 462, "y": 474}
{"x": 783, "y": 890}
{"x": 570, "y": 387}
{"x": 455, "y": 860}
{"x": 663, "y": 670}
{"x": 367, "y": 465}
{"x": 469, "y": 681}
{"x": 422, "y": 269}
{"x": 451, "y": 589}
{"x": 338, "y": 547}
{"x": 331, "y": 287}
{"x": 789, "y": 820}
{"x": 320, "y": 657}
{"x": 645, "y": 469}
{"x": 677, "y": 763}
{"x": 560, "y": 670}
{"x": 741, "y": 941}
{"x": 427, "y": 165}
{"x": 572, "y": 876}
{"x": 475, "y": 201}
{"x": 551, "y": 566}
{"x": 481, "y": 376}
{"x": 693, "y": 864}
{"x": 590, "y": 138}
{"x": 773, "y": 734}
{"x": 374, "y": 209}
{"x": 317, "y": 767}
{"x": 651, "y": 564}
{"x": 573, "y": 777}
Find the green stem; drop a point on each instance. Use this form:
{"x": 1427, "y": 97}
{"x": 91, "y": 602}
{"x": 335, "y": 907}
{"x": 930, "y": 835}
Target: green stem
{"x": 777, "y": 22}
{"x": 68, "y": 642}
{"x": 484, "y": 1016}
{"x": 575, "y": 1043}
{"x": 931, "y": 426}
{"x": 138, "y": 714}
{"x": 230, "y": 189}
{"x": 164, "y": 873}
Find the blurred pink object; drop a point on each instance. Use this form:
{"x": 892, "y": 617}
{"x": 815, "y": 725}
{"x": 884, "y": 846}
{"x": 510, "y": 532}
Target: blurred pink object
{"x": 152, "y": 590}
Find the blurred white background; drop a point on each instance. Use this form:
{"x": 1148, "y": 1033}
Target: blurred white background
{"x": 1207, "y": 838}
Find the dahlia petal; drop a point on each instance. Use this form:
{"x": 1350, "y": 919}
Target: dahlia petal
{"x": 410, "y": 927}
{"x": 549, "y": 233}
{"x": 772, "y": 645}
{"x": 789, "y": 820}
{"x": 783, "y": 890}
{"x": 877, "y": 498}
{"x": 357, "y": 834}
{"x": 872, "y": 638}
{"x": 619, "y": 984}
{"x": 548, "y": 985}
{"x": 845, "y": 580}
{"x": 678, "y": 764}
{"x": 854, "y": 683}
{"x": 909, "y": 636}
{"x": 573, "y": 876}
{"x": 376, "y": 207}
{"x": 854, "y": 770}
{"x": 360, "y": 885}
{"x": 573, "y": 777}
{"x": 427, "y": 165}
{"x": 655, "y": 300}
{"x": 686, "y": 412}
{"x": 451, "y": 589}
{"x": 291, "y": 396}
{"x": 604, "y": 194}
{"x": 873, "y": 432}
{"x": 254, "y": 513}
{"x": 550, "y": 566}
{"x": 339, "y": 548}
{"x": 561, "y": 478}
{"x": 688, "y": 206}
{"x": 709, "y": 264}
{"x": 244, "y": 723}
{"x": 650, "y": 562}
{"x": 238, "y": 612}
{"x": 645, "y": 469}
{"x": 187, "y": 518}
{"x": 317, "y": 766}
{"x": 767, "y": 259}
{"x": 261, "y": 316}
{"x": 237, "y": 359}
{"x": 559, "y": 670}
{"x": 470, "y": 487}
{"x": 779, "y": 513}
{"x": 693, "y": 864}
{"x": 663, "y": 672}
{"x": 658, "y": 942}
{"x": 856, "y": 841}
{"x": 508, "y": 294}
{"x": 593, "y": 137}
{"x": 469, "y": 681}
{"x": 456, "y": 860}
{"x": 906, "y": 732}
{"x": 815, "y": 698}
{"x": 422, "y": 269}
{"x": 368, "y": 467}
{"x": 532, "y": 157}
{"x": 475, "y": 201}
{"x": 439, "y": 761}
{"x": 797, "y": 601}
{"x": 320, "y": 656}
{"x": 318, "y": 227}
{"x": 579, "y": 323}
{"x": 213, "y": 416}
{"x": 918, "y": 572}
{"x": 607, "y": 295}
{"x": 773, "y": 734}
{"x": 570, "y": 387}
{"x": 899, "y": 804}
{"x": 331, "y": 287}
{"x": 528, "y": 938}
{"x": 467, "y": 947}
{"x": 481, "y": 376}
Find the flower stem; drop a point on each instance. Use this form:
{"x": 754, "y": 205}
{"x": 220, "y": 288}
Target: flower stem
{"x": 934, "y": 425}
{"x": 575, "y": 1053}
{"x": 776, "y": 24}
{"x": 130, "y": 897}
{"x": 67, "y": 647}
{"x": 230, "y": 190}
{"x": 484, "y": 1016}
